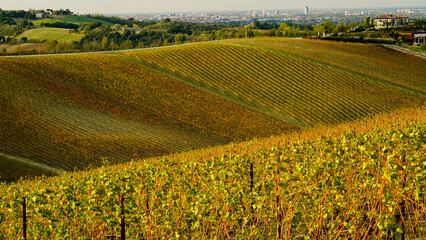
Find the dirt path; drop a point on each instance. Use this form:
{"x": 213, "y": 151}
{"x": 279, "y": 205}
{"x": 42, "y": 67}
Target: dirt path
{"x": 32, "y": 163}
{"x": 405, "y": 50}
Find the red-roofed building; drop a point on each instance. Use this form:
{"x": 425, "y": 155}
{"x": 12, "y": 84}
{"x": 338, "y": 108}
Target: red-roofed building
{"x": 385, "y": 21}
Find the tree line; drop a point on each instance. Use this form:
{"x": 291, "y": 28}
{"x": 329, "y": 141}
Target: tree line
{"x": 133, "y": 33}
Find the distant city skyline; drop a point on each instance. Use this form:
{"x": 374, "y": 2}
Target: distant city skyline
{"x": 145, "y": 6}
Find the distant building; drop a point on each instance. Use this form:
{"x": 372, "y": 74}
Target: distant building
{"x": 39, "y": 15}
{"x": 306, "y": 10}
{"x": 390, "y": 21}
{"x": 419, "y": 38}
{"x": 415, "y": 38}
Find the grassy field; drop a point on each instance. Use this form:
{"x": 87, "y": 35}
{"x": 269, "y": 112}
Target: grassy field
{"x": 25, "y": 48}
{"x": 71, "y": 19}
{"x": 57, "y": 34}
{"x": 364, "y": 179}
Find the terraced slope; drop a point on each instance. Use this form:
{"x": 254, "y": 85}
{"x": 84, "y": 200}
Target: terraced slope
{"x": 70, "y": 111}
{"x": 302, "y": 91}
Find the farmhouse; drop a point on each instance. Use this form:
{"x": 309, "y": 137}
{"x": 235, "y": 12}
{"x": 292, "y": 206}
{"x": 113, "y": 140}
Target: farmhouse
{"x": 385, "y": 21}
{"x": 39, "y": 15}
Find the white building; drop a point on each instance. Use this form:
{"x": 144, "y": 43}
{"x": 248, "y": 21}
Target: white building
{"x": 39, "y": 15}
{"x": 419, "y": 38}
{"x": 306, "y": 10}
{"x": 390, "y": 21}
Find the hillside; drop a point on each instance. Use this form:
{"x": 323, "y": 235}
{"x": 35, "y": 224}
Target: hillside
{"x": 375, "y": 61}
{"x": 56, "y": 34}
{"x": 71, "y": 19}
{"x": 363, "y": 179}
{"x": 71, "y": 111}
{"x": 303, "y": 91}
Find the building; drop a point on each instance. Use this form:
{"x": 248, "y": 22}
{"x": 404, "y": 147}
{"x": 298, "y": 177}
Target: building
{"x": 390, "y": 21}
{"x": 306, "y": 10}
{"x": 419, "y": 38}
{"x": 39, "y": 15}
{"x": 414, "y": 38}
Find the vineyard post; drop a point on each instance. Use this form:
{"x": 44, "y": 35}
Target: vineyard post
{"x": 277, "y": 199}
{"x": 147, "y": 203}
{"x": 251, "y": 186}
{"x": 123, "y": 224}
{"x": 400, "y": 217}
{"x": 402, "y": 203}
{"x": 24, "y": 219}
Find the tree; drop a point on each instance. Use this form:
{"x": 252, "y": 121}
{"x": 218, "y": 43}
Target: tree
{"x": 367, "y": 22}
{"x": 166, "y": 20}
{"x": 105, "y": 43}
{"x": 423, "y": 47}
{"x": 127, "y": 45}
{"x": 141, "y": 45}
{"x": 179, "y": 38}
{"x": 327, "y": 26}
{"x": 116, "y": 27}
{"x": 113, "y": 46}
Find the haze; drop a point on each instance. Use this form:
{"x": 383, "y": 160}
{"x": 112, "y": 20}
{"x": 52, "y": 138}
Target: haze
{"x": 145, "y": 6}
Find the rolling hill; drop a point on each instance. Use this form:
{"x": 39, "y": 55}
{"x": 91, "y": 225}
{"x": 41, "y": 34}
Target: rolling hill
{"x": 70, "y": 112}
{"x": 298, "y": 88}
{"x": 56, "y": 34}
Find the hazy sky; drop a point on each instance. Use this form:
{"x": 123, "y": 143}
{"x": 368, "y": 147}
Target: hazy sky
{"x": 141, "y": 6}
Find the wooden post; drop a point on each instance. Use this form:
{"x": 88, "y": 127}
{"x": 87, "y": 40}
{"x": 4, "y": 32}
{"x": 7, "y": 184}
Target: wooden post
{"x": 24, "y": 219}
{"x": 277, "y": 199}
{"x": 402, "y": 204}
{"x": 251, "y": 177}
{"x": 251, "y": 187}
{"x": 147, "y": 204}
{"x": 123, "y": 223}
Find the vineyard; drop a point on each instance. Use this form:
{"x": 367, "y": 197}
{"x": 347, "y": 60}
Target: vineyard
{"x": 358, "y": 180}
{"x": 70, "y": 111}
{"x": 374, "y": 61}
{"x": 300, "y": 91}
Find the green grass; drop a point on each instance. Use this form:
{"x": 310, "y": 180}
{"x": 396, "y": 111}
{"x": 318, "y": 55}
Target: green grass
{"x": 25, "y": 47}
{"x": 48, "y": 20}
{"x": 82, "y": 19}
{"x": 71, "y": 19}
{"x": 57, "y": 34}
